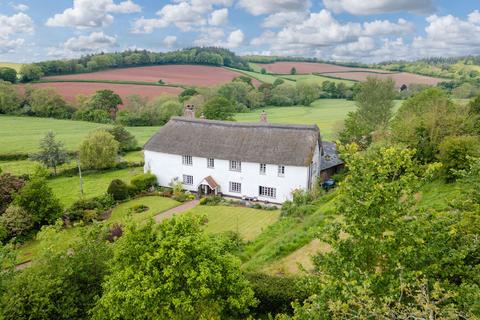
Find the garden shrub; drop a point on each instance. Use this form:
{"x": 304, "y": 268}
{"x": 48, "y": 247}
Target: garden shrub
{"x": 211, "y": 200}
{"x": 138, "y": 208}
{"x": 118, "y": 189}
{"x": 99, "y": 204}
{"x": 275, "y": 293}
{"x": 115, "y": 231}
{"x": 144, "y": 182}
{"x": 300, "y": 205}
{"x": 89, "y": 215}
{"x": 16, "y": 221}
{"x": 9, "y": 186}
{"x": 454, "y": 152}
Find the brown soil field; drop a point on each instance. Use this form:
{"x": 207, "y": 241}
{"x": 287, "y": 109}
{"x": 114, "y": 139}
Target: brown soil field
{"x": 284, "y": 67}
{"x": 69, "y": 90}
{"x": 399, "y": 78}
{"x": 189, "y": 75}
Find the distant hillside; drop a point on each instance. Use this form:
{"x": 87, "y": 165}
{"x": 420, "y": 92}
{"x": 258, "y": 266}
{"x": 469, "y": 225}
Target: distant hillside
{"x": 203, "y": 56}
{"x": 12, "y": 65}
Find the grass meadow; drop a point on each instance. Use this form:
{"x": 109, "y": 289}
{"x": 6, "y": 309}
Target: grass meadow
{"x": 249, "y": 223}
{"x": 326, "y": 113}
{"x": 22, "y": 134}
{"x": 16, "y": 66}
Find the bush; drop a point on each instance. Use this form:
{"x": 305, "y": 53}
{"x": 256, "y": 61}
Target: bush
{"x": 300, "y": 205}
{"x": 211, "y": 200}
{"x": 98, "y": 151}
{"x": 9, "y": 186}
{"x": 138, "y": 208}
{"x": 118, "y": 189}
{"x": 126, "y": 140}
{"x": 99, "y": 204}
{"x": 275, "y": 294}
{"x": 114, "y": 232}
{"x": 454, "y": 153}
{"x": 16, "y": 221}
{"x": 144, "y": 182}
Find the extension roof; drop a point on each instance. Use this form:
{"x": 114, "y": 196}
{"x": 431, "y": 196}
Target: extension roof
{"x": 330, "y": 156}
{"x": 259, "y": 142}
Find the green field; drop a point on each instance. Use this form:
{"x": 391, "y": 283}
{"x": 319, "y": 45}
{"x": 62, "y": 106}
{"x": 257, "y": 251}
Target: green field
{"x": 12, "y": 65}
{"x": 249, "y": 223}
{"x": 22, "y": 134}
{"x": 316, "y": 79}
{"x": 67, "y": 189}
{"x": 326, "y": 113}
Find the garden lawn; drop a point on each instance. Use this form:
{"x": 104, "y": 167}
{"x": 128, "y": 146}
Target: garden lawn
{"x": 325, "y": 113}
{"x": 22, "y": 134}
{"x": 67, "y": 189}
{"x": 249, "y": 223}
{"x": 155, "y": 204}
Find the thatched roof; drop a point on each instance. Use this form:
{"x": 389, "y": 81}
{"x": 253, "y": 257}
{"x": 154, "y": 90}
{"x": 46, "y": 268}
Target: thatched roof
{"x": 330, "y": 157}
{"x": 248, "y": 142}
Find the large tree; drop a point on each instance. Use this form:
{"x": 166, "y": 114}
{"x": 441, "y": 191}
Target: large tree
{"x": 52, "y": 153}
{"x": 106, "y": 100}
{"x": 31, "y": 72}
{"x": 173, "y": 271}
{"x": 8, "y": 74}
{"x": 10, "y": 101}
{"x": 98, "y": 151}
{"x": 219, "y": 108}
{"x": 375, "y": 102}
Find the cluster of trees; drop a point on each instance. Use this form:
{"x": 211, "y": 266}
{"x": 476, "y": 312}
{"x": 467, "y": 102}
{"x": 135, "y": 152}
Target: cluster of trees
{"x": 94, "y": 62}
{"x": 429, "y": 122}
{"x": 142, "y": 112}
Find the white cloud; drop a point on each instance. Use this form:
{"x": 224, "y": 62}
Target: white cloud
{"x": 258, "y": 7}
{"x": 18, "y": 23}
{"x": 385, "y": 27}
{"x": 19, "y": 7}
{"x": 91, "y": 13}
{"x": 184, "y": 14}
{"x": 281, "y": 19}
{"x": 96, "y": 41}
{"x": 170, "y": 41}
{"x": 216, "y": 37}
{"x": 366, "y": 7}
{"x": 8, "y": 46}
{"x": 218, "y": 17}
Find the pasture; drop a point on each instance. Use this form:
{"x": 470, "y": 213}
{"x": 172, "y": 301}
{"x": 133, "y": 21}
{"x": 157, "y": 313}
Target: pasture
{"x": 315, "y": 78}
{"x": 399, "y": 78}
{"x": 249, "y": 223}
{"x": 70, "y": 90}
{"x": 67, "y": 189}
{"x": 22, "y": 134}
{"x": 326, "y": 113}
{"x": 16, "y": 66}
{"x": 284, "y": 67}
{"x": 186, "y": 75}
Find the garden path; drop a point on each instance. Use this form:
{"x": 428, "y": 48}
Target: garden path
{"x": 177, "y": 210}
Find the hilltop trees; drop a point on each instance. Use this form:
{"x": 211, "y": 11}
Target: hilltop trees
{"x": 375, "y": 104}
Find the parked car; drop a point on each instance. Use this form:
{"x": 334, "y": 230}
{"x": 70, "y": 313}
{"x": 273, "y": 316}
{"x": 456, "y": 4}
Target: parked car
{"x": 328, "y": 184}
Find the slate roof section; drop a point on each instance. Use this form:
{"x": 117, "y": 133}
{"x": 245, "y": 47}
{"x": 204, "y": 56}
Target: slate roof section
{"x": 330, "y": 156}
{"x": 292, "y": 145}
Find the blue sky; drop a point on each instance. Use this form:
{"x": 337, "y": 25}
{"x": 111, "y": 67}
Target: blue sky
{"x": 346, "y": 30}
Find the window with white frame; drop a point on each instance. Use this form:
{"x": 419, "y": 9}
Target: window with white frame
{"x": 267, "y": 192}
{"x": 210, "y": 163}
{"x": 187, "y": 160}
{"x": 235, "y": 165}
{"x": 281, "y": 171}
{"x": 263, "y": 168}
{"x": 235, "y": 187}
{"x": 188, "y": 180}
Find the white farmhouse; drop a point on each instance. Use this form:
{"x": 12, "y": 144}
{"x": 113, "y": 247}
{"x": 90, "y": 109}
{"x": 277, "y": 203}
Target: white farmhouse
{"x": 245, "y": 160}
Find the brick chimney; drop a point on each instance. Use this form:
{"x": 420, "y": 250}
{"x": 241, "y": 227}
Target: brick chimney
{"x": 263, "y": 117}
{"x": 189, "y": 111}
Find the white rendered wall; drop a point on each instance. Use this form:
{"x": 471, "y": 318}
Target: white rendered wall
{"x": 168, "y": 167}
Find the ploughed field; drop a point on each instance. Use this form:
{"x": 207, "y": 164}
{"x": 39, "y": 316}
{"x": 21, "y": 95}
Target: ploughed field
{"x": 186, "y": 75}
{"x": 70, "y": 90}
{"x": 348, "y": 73}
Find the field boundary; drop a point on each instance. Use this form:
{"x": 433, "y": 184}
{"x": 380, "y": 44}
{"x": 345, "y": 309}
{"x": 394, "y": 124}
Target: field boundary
{"x": 137, "y": 83}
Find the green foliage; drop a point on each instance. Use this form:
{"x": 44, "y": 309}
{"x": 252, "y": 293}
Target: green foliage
{"x": 454, "y": 153}
{"x": 426, "y": 119}
{"x": 105, "y": 100}
{"x": 140, "y": 112}
{"x": 126, "y": 140}
{"x": 8, "y": 261}
{"x": 37, "y": 198}
{"x": 98, "y": 204}
{"x": 16, "y": 221}
{"x": 275, "y": 293}
{"x": 61, "y": 284}
{"x": 10, "y": 101}
{"x": 475, "y": 105}
{"x": 375, "y": 109}
{"x": 118, "y": 189}
{"x": 219, "y": 108}
{"x": 52, "y": 153}
{"x": 185, "y": 275}
{"x": 92, "y": 115}
{"x": 293, "y": 71}
{"x": 143, "y": 182}
{"x": 189, "y": 92}
{"x": 8, "y": 74}
{"x": 263, "y": 71}
{"x": 300, "y": 205}
{"x": 31, "y": 72}
{"x": 46, "y": 102}
{"x": 98, "y": 151}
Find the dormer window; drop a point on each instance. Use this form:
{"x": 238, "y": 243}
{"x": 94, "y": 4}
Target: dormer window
{"x": 281, "y": 171}
{"x": 235, "y": 165}
{"x": 187, "y": 160}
